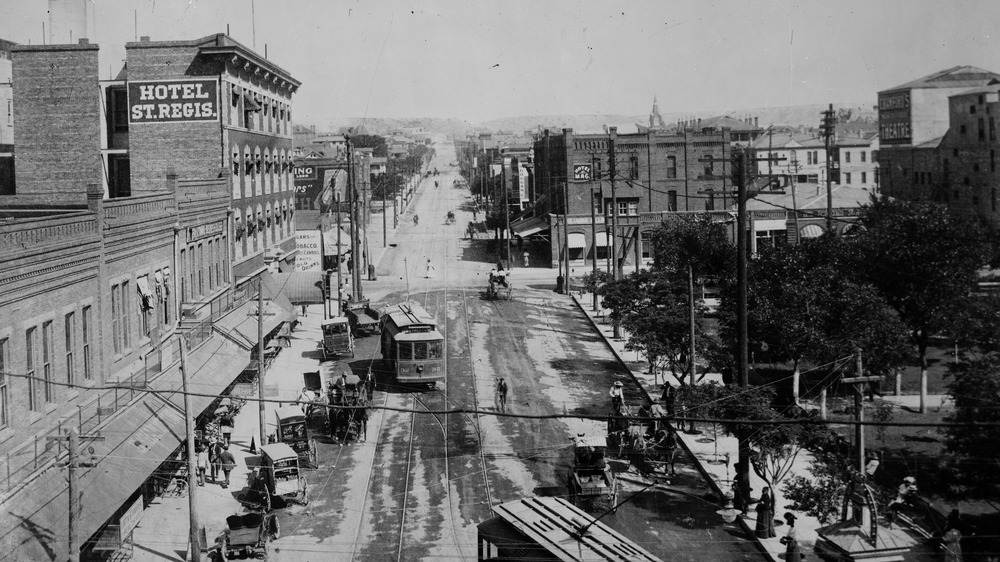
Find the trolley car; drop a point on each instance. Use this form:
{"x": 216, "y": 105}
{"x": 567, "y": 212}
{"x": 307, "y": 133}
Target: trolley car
{"x": 412, "y": 344}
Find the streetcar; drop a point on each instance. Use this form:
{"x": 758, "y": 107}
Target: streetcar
{"x": 412, "y": 344}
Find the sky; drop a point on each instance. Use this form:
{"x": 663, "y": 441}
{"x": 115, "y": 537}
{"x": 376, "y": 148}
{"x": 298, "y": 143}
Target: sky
{"x": 478, "y": 60}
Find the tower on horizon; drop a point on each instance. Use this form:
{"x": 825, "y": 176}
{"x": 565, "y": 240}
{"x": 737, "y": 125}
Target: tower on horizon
{"x": 655, "y": 119}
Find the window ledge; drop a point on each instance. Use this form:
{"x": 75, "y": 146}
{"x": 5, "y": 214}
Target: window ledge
{"x": 50, "y": 407}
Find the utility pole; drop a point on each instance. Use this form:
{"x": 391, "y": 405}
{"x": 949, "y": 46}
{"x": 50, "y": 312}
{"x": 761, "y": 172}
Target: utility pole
{"x": 192, "y": 483}
{"x": 260, "y": 362}
{"x": 353, "y": 203}
{"x": 739, "y": 172}
{"x": 793, "y": 167}
{"x": 74, "y": 463}
{"x": 566, "y": 230}
{"x": 613, "y": 171}
{"x": 340, "y": 275}
{"x": 691, "y": 326}
{"x": 828, "y": 127}
{"x": 385, "y": 229}
{"x": 859, "y": 381}
{"x": 593, "y": 240}
{"x": 322, "y": 264}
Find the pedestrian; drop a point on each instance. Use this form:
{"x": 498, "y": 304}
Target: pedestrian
{"x": 214, "y": 450}
{"x": 669, "y": 398}
{"x": 201, "y": 462}
{"x": 502, "y": 394}
{"x": 304, "y": 313}
{"x": 559, "y": 283}
{"x": 363, "y": 419}
{"x": 370, "y": 385}
{"x": 791, "y": 540}
{"x": 617, "y": 397}
{"x": 228, "y": 462}
{"x": 527, "y": 260}
{"x": 430, "y": 270}
{"x": 499, "y": 265}
{"x": 765, "y": 514}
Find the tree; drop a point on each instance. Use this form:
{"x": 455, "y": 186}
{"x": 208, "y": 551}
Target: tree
{"x": 774, "y": 447}
{"x": 975, "y": 390}
{"x": 925, "y": 261}
{"x": 375, "y": 142}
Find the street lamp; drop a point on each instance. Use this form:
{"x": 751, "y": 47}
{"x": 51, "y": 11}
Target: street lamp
{"x": 728, "y": 512}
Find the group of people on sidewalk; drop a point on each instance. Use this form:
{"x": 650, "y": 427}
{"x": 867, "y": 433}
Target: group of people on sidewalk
{"x": 214, "y": 456}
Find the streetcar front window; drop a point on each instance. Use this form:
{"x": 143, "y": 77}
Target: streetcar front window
{"x": 420, "y": 351}
{"x": 405, "y": 351}
{"x": 436, "y": 350}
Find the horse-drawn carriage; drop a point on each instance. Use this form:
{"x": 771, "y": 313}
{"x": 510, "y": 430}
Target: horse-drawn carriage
{"x": 450, "y": 218}
{"x": 278, "y": 480}
{"x": 499, "y": 286}
{"x": 348, "y": 401}
{"x": 643, "y": 437}
{"x": 245, "y": 536}
{"x": 591, "y": 481}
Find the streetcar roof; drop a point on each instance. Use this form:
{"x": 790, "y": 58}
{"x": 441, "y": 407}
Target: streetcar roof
{"x": 427, "y": 335}
{"x": 408, "y": 315}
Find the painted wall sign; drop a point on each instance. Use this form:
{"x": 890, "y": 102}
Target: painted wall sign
{"x": 894, "y": 118}
{"x": 305, "y": 172}
{"x": 173, "y": 101}
{"x": 308, "y": 245}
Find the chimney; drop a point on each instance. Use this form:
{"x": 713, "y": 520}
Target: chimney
{"x": 755, "y": 122}
{"x": 144, "y": 39}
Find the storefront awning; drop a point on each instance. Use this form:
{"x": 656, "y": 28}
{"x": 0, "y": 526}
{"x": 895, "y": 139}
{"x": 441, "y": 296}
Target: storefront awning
{"x": 812, "y": 231}
{"x": 301, "y": 287}
{"x": 240, "y": 325}
{"x": 213, "y": 366}
{"x": 577, "y": 240}
{"x": 527, "y": 227}
{"x": 273, "y": 291}
{"x": 136, "y": 441}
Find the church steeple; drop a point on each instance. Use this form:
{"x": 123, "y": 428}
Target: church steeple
{"x": 655, "y": 119}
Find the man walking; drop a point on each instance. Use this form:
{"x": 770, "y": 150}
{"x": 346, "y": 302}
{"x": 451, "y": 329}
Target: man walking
{"x": 201, "y": 463}
{"x": 502, "y": 394}
{"x": 228, "y": 463}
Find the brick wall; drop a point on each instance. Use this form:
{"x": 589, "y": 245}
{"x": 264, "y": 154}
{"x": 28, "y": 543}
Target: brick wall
{"x": 58, "y": 121}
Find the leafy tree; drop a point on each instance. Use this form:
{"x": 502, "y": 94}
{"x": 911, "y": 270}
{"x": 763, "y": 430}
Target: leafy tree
{"x": 774, "y": 446}
{"x": 375, "y": 142}
{"x": 698, "y": 243}
{"x": 661, "y": 331}
{"x": 593, "y": 281}
{"x": 975, "y": 390}
{"x": 697, "y": 400}
{"x": 925, "y": 261}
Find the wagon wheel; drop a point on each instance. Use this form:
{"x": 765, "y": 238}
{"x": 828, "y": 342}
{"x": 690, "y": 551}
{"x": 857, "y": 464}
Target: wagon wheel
{"x": 267, "y": 499}
{"x": 274, "y": 527}
{"x": 304, "y": 488}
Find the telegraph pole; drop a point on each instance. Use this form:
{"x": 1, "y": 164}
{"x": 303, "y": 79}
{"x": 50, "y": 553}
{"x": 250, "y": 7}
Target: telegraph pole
{"x": 353, "y": 202}
{"x": 340, "y": 280}
{"x": 739, "y": 172}
{"x": 593, "y": 239}
{"x": 192, "y": 483}
{"x": 613, "y": 171}
{"x": 74, "y": 463}
{"x": 260, "y": 361}
{"x": 828, "y": 127}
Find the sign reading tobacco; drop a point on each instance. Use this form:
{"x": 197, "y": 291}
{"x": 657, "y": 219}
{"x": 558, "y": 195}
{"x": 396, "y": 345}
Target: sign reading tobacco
{"x": 173, "y": 101}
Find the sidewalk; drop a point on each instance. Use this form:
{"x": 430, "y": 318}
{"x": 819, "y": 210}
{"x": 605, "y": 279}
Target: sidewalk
{"x": 162, "y": 534}
{"x": 714, "y": 454}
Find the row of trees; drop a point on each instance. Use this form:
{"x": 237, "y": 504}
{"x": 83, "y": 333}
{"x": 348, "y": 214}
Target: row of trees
{"x": 907, "y": 272}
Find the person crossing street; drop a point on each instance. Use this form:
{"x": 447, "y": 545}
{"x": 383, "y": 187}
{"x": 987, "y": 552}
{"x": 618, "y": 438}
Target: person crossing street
{"x": 502, "y": 394}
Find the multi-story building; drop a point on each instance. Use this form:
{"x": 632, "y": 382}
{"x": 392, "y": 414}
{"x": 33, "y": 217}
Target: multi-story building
{"x": 652, "y": 172}
{"x": 516, "y": 171}
{"x": 6, "y": 121}
{"x": 120, "y": 252}
{"x": 913, "y": 117}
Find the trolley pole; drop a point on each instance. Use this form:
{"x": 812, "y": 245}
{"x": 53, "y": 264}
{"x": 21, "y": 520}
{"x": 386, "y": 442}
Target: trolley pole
{"x": 192, "y": 483}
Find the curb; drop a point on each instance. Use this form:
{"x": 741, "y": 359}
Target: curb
{"x": 697, "y": 462}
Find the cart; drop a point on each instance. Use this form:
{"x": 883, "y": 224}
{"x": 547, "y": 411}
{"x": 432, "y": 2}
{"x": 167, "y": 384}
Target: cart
{"x": 245, "y": 536}
{"x": 278, "y": 481}
{"x": 293, "y": 431}
{"x": 591, "y": 481}
{"x": 497, "y": 290}
{"x": 346, "y": 399}
{"x": 337, "y": 337}
{"x": 363, "y": 318}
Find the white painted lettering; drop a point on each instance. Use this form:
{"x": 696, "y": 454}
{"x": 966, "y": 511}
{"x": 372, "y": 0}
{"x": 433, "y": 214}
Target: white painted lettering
{"x": 164, "y": 111}
{"x": 146, "y": 93}
{"x": 160, "y": 92}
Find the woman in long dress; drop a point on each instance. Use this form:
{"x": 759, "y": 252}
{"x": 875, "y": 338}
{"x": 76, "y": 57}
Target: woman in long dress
{"x": 765, "y": 515}
{"x": 430, "y": 270}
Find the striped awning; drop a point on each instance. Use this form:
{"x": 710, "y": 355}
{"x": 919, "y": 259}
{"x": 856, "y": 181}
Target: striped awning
{"x": 811, "y": 231}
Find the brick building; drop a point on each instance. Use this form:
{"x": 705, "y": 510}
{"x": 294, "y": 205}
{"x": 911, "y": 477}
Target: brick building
{"x": 6, "y": 121}
{"x": 654, "y": 172}
{"x": 117, "y": 247}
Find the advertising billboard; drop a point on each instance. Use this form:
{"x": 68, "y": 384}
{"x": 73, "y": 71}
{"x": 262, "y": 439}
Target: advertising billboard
{"x": 307, "y": 243}
{"x": 173, "y": 101}
{"x": 894, "y": 124}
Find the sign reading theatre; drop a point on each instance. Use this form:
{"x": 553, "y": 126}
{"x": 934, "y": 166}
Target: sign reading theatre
{"x": 173, "y": 101}
{"x": 894, "y": 118}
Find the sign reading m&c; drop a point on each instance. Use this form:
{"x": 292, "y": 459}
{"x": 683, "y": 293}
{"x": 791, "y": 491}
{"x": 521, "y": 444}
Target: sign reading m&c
{"x": 173, "y": 101}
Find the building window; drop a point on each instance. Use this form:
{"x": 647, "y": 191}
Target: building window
{"x": 809, "y": 158}
{"x": 201, "y": 269}
{"x": 47, "y": 361}
{"x": 29, "y": 363}
{"x": 116, "y": 328}
{"x": 671, "y": 167}
{"x": 770, "y": 238}
{"x": 4, "y": 416}
{"x": 993, "y": 160}
{"x": 10, "y": 113}
{"x": 710, "y": 202}
{"x": 993, "y": 199}
{"x": 815, "y": 157}
{"x": 847, "y": 178}
{"x": 961, "y": 129}
{"x": 993, "y": 128}
{"x": 633, "y": 168}
{"x": 982, "y": 129}
{"x": 709, "y": 165}
{"x": 119, "y": 109}
{"x": 145, "y": 304}
{"x": 864, "y": 178}
{"x": 119, "y": 176}
{"x": 972, "y": 109}
{"x": 847, "y": 157}
{"x": 863, "y": 156}
{"x": 88, "y": 370}
{"x": 70, "y": 347}
{"x": 975, "y": 166}
{"x": 672, "y": 201}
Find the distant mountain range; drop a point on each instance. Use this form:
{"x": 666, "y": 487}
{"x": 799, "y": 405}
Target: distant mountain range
{"x": 795, "y": 115}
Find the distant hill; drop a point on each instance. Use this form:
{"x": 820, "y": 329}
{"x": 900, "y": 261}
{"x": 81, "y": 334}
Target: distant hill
{"x": 795, "y": 115}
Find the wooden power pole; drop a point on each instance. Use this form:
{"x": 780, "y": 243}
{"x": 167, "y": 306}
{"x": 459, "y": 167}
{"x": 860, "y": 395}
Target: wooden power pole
{"x": 73, "y": 466}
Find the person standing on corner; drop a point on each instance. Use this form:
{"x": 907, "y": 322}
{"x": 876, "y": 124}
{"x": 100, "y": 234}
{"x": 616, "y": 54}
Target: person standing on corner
{"x": 617, "y": 397}
{"x": 791, "y": 540}
{"x": 765, "y": 515}
{"x": 502, "y": 394}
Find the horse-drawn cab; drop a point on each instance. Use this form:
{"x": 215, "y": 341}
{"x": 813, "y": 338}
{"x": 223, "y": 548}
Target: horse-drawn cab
{"x": 591, "y": 479}
{"x": 347, "y": 399}
{"x": 643, "y": 437}
{"x": 499, "y": 285}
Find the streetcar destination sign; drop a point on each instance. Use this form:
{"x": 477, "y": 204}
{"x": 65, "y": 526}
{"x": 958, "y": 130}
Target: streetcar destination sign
{"x": 173, "y": 101}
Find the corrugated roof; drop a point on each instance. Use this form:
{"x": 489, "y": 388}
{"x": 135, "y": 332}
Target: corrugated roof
{"x": 954, "y": 77}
